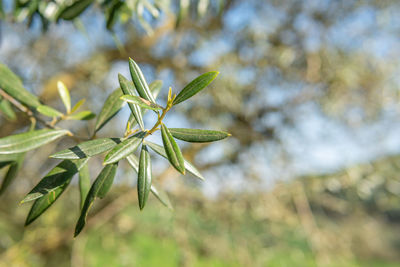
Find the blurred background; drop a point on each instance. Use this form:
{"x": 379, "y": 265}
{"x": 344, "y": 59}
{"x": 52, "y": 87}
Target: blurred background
{"x": 309, "y": 91}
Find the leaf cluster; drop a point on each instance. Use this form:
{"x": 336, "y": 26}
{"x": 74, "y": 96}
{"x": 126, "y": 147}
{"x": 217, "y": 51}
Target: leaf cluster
{"x": 140, "y": 97}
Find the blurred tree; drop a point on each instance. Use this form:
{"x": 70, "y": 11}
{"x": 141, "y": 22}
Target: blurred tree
{"x": 286, "y": 66}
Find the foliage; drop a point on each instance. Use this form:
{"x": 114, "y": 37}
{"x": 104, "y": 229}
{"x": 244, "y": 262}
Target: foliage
{"x": 75, "y": 159}
{"x": 113, "y": 10}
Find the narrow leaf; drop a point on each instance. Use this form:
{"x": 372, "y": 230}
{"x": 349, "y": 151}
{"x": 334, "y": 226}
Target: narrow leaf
{"x": 12, "y": 172}
{"x": 48, "y": 111}
{"x": 110, "y": 108}
{"x": 87, "y": 149}
{"x": 143, "y": 103}
{"x": 144, "y": 177}
{"x": 174, "y": 154}
{"x": 57, "y": 177}
{"x": 162, "y": 197}
{"x": 64, "y": 94}
{"x": 155, "y": 88}
{"x": 104, "y": 178}
{"x": 78, "y": 105}
{"x": 12, "y": 85}
{"x": 197, "y": 135}
{"x": 7, "y": 110}
{"x": 30, "y": 140}
{"x": 84, "y": 183}
{"x": 74, "y": 10}
{"x": 126, "y": 147}
{"x": 195, "y": 86}
{"x": 42, "y": 204}
{"x": 129, "y": 89}
{"x": 188, "y": 166}
{"x": 81, "y": 116}
{"x": 140, "y": 82}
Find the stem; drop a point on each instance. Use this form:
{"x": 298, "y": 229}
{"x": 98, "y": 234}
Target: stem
{"x": 30, "y": 114}
{"x": 24, "y": 109}
{"x": 160, "y": 118}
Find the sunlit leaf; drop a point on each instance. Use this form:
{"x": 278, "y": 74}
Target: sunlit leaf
{"x": 161, "y": 151}
{"x": 80, "y": 116}
{"x": 195, "y": 86}
{"x": 104, "y": 179}
{"x": 143, "y": 103}
{"x": 110, "y": 108}
{"x": 124, "y": 149}
{"x": 48, "y": 111}
{"x": 129, "y": 89}
{"x": 144, "y": 177}
{"x": 172, "y": 150}
{"x": 155, "y": 88}
{"x": 84, "y": 183}
{"x": 140, "y": 82}
{"x": 12, "y": 85}
{"x": 30, "y": 140}
{"x": 57, "y": 177}
{"x": 87, "y": 149}
{"x": 64, "y": 94}
{"x": 78, "y": 105}
{"x": 197, "y": 135}
{"x": 74, "y": 10}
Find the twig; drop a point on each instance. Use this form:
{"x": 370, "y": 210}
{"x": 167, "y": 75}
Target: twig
{"x": 24, "y": 109}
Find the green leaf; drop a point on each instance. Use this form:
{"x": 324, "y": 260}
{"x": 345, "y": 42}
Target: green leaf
{"x": 30, "y": 140}
{"x": 162, "y": 197}
{"x": 161, "y": 151}
{"x": 107, "y": 184}
{"x": 4, "y": 164}
{"x": 78, "y": 105}
{"x": 129, "y": 89}
{"x": 42, "y": 204}
{"x": 84, "y": 183}
{"x": 8, "y": 157}
{"x": 195, "y": 86}
{"x": 12, "y": 85}
{"x": 87, "y": 149}
{"x": 139, "y": 81}
{"x": 12, "y": 172}
{"x": 57, "y": 177}
{"x": 64, "y": 94}
{"x": 143, "y": 103}
{"x": 74, "y": 10}
{"x": 144, "y": 177}
{"x": 112, "y": 14}
{"x": 155, "y": 88}
{"x": 197, "y": 135}
{"x": 80, "y": 116}
{"x": 110, "y": 108}
{"x": 48, "y": 111}
{"x": 104, "y": 179}
{"x": 174, "y": 154}
{"x": 7, "y": 110}
{"x": 126, "y": 147}
{"x": 183, "y": 11}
